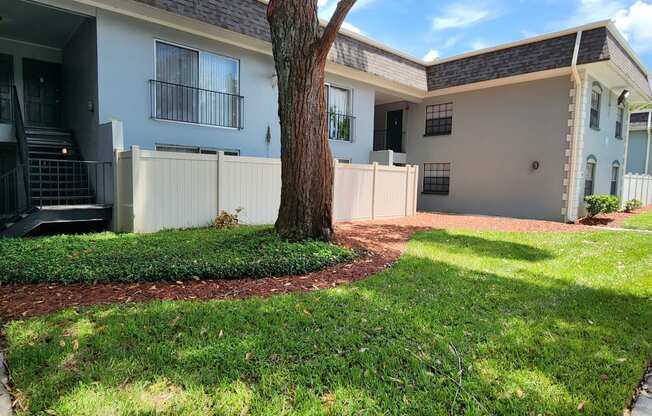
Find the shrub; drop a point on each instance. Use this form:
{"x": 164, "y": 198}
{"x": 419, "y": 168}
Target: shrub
{"x": 234, "y": 252}
{"x": 227, "y": 220}
{"x": 601, "y": 204}
{"x": 632, "y": 205}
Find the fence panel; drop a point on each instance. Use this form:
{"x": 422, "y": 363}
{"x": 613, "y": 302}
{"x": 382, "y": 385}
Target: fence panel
{"x": 353, "y": 192}
{"x": 165, "y": 190}
{"x": 637, "y": 187}
{"x": 253, "y": 184}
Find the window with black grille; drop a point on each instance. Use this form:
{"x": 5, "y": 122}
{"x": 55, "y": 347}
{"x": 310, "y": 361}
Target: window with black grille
{"x": 596, "y": 100}
{"x": 437, "y": 178}
{"x": 439, "y": 119}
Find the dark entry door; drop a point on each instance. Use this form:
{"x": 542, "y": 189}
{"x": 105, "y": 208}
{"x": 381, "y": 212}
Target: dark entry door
{"x": 6, "y": 83}
{"x": 42, "y": 84}
{"x": 395, "y": 131}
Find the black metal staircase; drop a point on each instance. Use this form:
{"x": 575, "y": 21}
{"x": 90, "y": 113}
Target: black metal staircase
{"x": 52, "y": 183}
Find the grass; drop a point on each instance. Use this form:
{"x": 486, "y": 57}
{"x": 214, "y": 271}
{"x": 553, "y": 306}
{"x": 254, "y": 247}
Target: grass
{"x": 169, "y": 255}
{"x": 639, "y": 222}
{"x": 466, "y": 323}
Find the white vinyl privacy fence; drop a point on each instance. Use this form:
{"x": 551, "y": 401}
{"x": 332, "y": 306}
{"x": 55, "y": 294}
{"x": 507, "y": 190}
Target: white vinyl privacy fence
{"x": 637, "y": 187}
{"x": 163, "y": 190}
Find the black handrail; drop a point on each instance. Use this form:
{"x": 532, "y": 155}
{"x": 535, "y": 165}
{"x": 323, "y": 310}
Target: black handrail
{"x": 22, "y": 146}
{"x": 341, "y": 126}
{"x": 70, "y": 182}
{"x": 12, "y": 202}
{"x": 187, "y": 104}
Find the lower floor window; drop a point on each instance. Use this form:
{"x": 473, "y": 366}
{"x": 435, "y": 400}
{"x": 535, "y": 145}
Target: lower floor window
{"x": 589, "y": 180}
{"x": 345, "y": 161}
{"x": 436, "y": 178}
{"x": 615, "y": 174}
{"x": 179, "y": 148}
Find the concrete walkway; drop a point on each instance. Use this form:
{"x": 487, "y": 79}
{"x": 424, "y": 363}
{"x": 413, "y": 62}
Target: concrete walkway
{"x": 643, "y": 406}
{"x": 5, "y": 397}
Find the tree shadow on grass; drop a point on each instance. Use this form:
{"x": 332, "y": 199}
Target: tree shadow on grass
{"x": 392, "y": 344}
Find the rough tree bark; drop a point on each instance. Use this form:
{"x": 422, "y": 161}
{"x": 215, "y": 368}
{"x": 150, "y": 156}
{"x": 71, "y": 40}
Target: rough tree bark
{"x": 300, "y": 49}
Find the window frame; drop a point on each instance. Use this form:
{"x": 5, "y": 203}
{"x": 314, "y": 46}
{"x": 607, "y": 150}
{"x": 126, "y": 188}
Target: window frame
{"x": 435, "y": 169}
{"x": 349, "y": 115}
{"x": 593, "y": 161}
{"x": 615, "y": 168}
{"x": 594, "y": 119}
{"x": 620, "y": 122}
{"x": 448, "y": 132}
{"x": 199, "y": 66}
{"x": 201, "y": 150}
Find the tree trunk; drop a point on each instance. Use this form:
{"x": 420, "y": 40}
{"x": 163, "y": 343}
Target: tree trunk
{"x": 300, "y": 51}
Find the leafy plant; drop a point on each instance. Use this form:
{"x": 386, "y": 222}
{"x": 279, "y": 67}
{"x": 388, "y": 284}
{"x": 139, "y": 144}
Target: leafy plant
{"x": 227, "y": 220}
{"x": 234, "y": 252}
{"x": 601, "y": 204}
{"x": 632, "y": 205}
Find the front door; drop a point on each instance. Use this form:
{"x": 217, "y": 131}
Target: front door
{"x": 6, "y": 83}
{"x": 42, "y": 84}
{"x": 395, "y": 131}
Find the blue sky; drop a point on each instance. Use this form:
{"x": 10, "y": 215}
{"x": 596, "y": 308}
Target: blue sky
{"x": 441, "y": 28}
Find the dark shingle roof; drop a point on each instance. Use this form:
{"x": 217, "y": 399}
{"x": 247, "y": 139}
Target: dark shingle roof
{"x": 248, "y": 17}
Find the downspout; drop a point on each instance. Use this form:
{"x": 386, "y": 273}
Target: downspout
{"x": 649, "y": 136}
{"x": 576, "y": 130}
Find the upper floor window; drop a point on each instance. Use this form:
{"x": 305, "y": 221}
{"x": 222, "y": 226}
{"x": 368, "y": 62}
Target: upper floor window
{"x": 589, "y": 178}
{"x": 615, "y": 176}
{"x": 596, "y": 99}
{"x": 439, "y": 119}
{"x": 180, "y": 148}
{"x": 196, "y": 87}
{"x": 620, "y": 120}
{"x": 339, "y": 106}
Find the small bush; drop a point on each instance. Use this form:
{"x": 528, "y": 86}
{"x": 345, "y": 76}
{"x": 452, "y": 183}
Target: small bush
{"x": 632, "y": 205}
{"x": 601, "y": 204}
{"x": 227, "y": 220}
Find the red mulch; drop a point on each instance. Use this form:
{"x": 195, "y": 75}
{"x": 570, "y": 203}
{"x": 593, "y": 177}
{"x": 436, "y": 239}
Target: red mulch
{"x": 381, "y": 241}
{"x": 613, "y": 220}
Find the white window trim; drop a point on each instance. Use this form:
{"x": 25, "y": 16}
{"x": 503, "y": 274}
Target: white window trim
{"x": 351, "y": 111}
{"x": 199, "y": 51}
{"x": 190, "y": 146}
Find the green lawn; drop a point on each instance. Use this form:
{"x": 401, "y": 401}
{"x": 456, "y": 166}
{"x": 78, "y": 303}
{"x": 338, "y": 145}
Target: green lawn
{"x": 465, "y": 323}
{"x": 169, "y": 255}
{"x": 639, "y": 222}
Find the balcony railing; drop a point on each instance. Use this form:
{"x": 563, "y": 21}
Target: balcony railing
{"x": 182, "y": 103}
{"x": 382, "y": 141}
{"x": 341, "y": 126}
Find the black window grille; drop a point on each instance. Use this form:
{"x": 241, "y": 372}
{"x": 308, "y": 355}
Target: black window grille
{"x": 589, "y": 180}
{"x": 615, "y": 175}
{"x": 619, "y": 123}
{"x": 439, "y": 119}
{"x": 437, "y": 178}
{"x": 596, "y": 97}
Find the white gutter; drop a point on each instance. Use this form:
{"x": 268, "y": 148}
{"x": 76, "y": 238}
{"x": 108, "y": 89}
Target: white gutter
{"x": 572, "y": 185}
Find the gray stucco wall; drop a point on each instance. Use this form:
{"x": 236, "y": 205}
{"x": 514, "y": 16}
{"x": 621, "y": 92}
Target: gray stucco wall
{"x": 497, "y": 134}
{"x": 126, "y": 63}
{"x": 602, "y": 143}
{"x": 80, "y": 90}
{"x": 637, "y": 152}
{"x": 19, "y": 51}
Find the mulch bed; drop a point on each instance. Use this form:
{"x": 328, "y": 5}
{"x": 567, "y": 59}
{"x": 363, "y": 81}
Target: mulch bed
{"x": 381, "y": 244}
{"x": 613, "y": 220}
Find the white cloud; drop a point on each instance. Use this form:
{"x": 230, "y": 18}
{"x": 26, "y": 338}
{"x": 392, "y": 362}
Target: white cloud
{"x": 479, "y": 44}
{"x": 635, "y": 22}
{"x": 431, "y": 56}
{"x": 588, "y": 11}
{"x": 460, "y": 15}
{"x": 352, "y": 28}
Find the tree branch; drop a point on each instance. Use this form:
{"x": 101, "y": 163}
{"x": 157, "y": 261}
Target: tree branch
{"x": 333, "y": 27}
